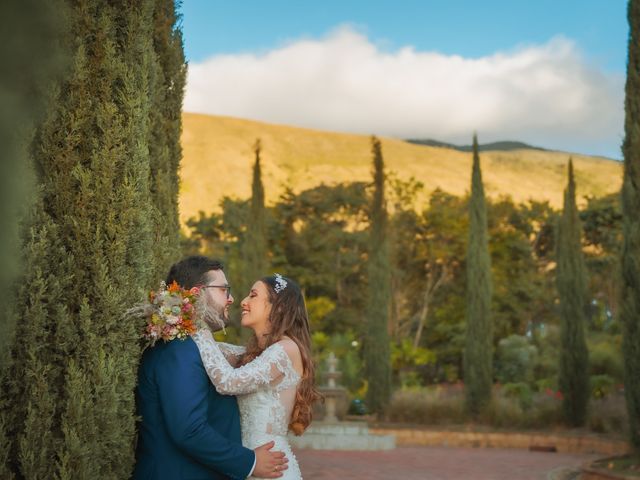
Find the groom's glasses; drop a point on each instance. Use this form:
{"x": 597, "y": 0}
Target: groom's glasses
{"x": 226, "y": 287}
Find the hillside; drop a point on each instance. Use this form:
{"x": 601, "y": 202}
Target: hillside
{"x": 218, "y": 158}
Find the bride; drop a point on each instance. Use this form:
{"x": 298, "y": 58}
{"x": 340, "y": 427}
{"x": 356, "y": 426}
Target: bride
{"x": 273, "y": 377}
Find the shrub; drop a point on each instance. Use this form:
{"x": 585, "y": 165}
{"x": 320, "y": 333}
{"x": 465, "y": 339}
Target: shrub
{"x": 512, "y": 406}
{"x": 546, "y": 384}
{"x": 431, "y": 406}
{"x": 601, "y": 385}
{"x": 609, "y": 415}
{"x": 405, "y": 361}
{"x": 546, "y": 365}
{"x": 503, "y": 412}
{"x": 516, "y": 406}
{"x": 605, "y": 358}
{"x": 519, "y": 391}
{"x": 516, "y": 358}
{"x": 546, "y": 409}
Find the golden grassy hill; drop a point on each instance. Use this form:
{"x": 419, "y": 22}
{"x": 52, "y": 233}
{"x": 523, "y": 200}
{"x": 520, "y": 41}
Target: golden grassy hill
{"x": 218, "y": 157}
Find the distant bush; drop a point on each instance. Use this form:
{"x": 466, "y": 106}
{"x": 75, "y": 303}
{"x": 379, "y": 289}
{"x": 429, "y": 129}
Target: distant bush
{"x": 512, "y": 406}
{"x": 516, "y": 359}
{"x": 429, "y": 406}
{"x": 609, "y": 414}
{"x": 605, "y": 358}
{"x": 601, "y": 385}
{"x": 503, "y": 412}
{"x": 517, "y": 406}
{"x": 519, "y": 391}
{"x": 545, "y": 384}
{"x": 545, "y": 409}
{"x": 546, "y": 365}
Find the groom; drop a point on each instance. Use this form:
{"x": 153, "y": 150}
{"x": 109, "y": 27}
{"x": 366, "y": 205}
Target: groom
{"x": 188, "y": 430}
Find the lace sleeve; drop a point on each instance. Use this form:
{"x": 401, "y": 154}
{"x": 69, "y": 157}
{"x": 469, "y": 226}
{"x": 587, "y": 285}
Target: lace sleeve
{"x": 266, "y": 369}
{"x": 231, "y": 352}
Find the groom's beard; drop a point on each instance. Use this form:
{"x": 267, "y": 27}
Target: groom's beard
{"x": 215, "y": 316}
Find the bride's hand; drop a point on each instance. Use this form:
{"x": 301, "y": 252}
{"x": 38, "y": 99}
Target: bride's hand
{"x": 269, "y": 464}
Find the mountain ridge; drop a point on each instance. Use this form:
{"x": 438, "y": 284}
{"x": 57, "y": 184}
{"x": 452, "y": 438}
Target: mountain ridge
{"x": 500, "y": 145}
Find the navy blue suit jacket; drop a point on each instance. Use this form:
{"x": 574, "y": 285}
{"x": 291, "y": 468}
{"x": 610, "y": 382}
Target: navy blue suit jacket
{"x": 187, "y": 430}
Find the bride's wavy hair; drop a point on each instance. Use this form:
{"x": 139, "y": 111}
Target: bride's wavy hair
{"x": 289, "y": 318}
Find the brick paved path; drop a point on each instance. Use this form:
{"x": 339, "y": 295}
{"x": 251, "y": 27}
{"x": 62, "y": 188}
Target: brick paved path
{"x": 438, "y": 463}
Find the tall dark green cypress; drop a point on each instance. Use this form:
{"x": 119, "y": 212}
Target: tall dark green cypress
{"x": 168, "y": 78}
{"x": 376, "y": 346}
{"x": 571, "y": 280}
{"x": 255, "y": 245}
{"x": 630, "y": 311}
{"x": 89, "y": 251}
{"x": 478, "y": 352}
{"x": 31, "y": 60}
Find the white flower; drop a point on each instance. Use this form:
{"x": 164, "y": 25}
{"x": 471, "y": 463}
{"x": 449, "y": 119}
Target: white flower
{"x": 172, "y": 319}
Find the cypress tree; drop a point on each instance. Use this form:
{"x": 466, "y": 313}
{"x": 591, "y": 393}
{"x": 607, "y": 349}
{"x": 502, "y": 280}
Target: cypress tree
{"x": 90, "y": 253}
{"x": 630, "y": 311}
{"x": 255, "y": 245}
{"x": 572, "y": 290}
{"x": 478, "y": 352}
{"x": 168, "y": 78}
{"x": 31, "y": 60}
{"x": 376, "y": 345}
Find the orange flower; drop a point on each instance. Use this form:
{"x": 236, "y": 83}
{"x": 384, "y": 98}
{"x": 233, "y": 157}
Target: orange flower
{"x": 162, "y": 325}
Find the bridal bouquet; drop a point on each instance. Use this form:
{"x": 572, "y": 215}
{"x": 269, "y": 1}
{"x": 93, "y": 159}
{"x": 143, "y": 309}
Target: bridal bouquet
{"x": 170, "y": 313}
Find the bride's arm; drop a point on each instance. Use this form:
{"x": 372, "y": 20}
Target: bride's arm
{"x": 263, "y": 370}
{"x": 231, "y": 352}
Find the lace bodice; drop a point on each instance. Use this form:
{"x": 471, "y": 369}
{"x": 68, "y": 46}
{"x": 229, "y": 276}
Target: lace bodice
{"x": 266, "y": 390}
{"x": 266, "y": 386}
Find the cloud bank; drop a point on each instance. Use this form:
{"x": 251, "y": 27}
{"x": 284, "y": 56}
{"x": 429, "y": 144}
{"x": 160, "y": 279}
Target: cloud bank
{"x": 548, "y": 95}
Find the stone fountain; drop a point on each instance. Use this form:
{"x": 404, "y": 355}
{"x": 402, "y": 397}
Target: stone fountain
{"x": 331, "y": 433}
{"x": 332, "y": 392}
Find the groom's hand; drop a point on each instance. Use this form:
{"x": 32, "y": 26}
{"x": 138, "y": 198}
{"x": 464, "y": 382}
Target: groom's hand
{"x": 269, "y": 464}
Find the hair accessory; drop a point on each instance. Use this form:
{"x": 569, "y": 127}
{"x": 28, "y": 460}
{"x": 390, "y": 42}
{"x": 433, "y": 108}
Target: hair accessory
{"x": 281, "y": 283}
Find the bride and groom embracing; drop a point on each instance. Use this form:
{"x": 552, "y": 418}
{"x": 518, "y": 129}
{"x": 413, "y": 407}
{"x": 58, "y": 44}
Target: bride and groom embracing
{"x": 212, "y": 410}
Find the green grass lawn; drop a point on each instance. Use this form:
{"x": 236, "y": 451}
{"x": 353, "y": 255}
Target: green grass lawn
{"x": 626, "y": 465}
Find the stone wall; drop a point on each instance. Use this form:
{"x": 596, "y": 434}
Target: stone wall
{"x": 563, "y": 443}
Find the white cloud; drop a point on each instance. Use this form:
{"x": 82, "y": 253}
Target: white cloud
{"x": 544, "y": 94}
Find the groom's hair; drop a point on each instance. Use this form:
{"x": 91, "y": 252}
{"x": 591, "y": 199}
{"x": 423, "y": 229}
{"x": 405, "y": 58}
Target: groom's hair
{"x": 191, "y": 271}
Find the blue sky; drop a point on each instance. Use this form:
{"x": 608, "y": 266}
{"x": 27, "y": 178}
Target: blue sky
{"x": 590, "y": 36}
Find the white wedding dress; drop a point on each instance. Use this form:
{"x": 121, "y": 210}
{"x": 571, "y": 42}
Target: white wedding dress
{"x": 266, "y": 391}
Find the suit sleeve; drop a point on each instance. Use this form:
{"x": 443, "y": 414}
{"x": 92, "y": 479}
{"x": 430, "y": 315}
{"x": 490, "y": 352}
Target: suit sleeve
{"x": 182, "y": 388}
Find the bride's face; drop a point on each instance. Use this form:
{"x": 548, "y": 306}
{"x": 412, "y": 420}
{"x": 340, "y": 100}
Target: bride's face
{"x": 256, "y": 308}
